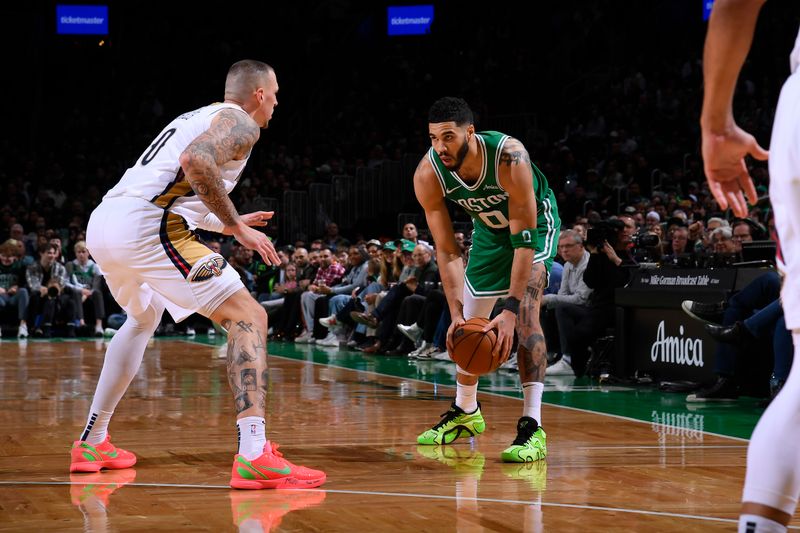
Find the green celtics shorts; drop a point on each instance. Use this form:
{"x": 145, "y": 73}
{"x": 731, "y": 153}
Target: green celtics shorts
{"x": 491, "y": 255}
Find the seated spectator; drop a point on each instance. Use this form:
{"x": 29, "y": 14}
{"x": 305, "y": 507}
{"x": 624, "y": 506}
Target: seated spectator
{"x": 306, "y": 270}
{"x": 377, "y": 283}
{"x": 13, "y": 294}
{"x": 84, "y": 279}
{"x": 289, "y": 281}
{"x": 723, "y": 246}
{"x": 571, "y": 304}
{"x": 330, "y": 273}
{"x": 608, "y": 268}
{"x": 51, "y": 301}
{"x": 26, "y": 254}
{"x": 742, "y": 232}
{"x": 374, "y": 248}
{"x": 681, "y": 250}
{"x": 423, "y": 330}
{"x": 355, "y": 279}
{"x": 423, "y": 277}
{"x": 758, "y": 294}
{"x": 767, "y": 324}
{"x": 241, "y": 260}
{"x": 285, "y": 317}
{"x": 410, "y": 233}
{"x": 266, "y": 277}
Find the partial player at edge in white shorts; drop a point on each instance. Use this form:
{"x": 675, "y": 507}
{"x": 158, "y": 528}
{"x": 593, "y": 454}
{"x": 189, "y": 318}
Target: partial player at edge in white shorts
{"x": 773, "y": 475}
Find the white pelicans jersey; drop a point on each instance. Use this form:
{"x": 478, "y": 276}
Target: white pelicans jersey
{"x": 158, "y": 177}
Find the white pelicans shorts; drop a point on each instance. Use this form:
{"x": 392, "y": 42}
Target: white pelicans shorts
{"x": 146, "y": 252}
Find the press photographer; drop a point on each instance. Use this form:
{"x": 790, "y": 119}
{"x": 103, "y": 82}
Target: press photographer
{"x": 609, "y": 243}
{"x": 51, "y": 302}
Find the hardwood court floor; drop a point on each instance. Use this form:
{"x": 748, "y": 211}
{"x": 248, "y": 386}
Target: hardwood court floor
{"x": 359, "y": 424}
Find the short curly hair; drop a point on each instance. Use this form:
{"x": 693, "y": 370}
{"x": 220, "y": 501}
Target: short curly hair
{"x": 450, "y": 109}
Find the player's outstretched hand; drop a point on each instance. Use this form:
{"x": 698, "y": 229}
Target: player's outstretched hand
{"x": 726, "y": 170}
{"x": 257, "y": 219}
{"x": 258, "y": 242}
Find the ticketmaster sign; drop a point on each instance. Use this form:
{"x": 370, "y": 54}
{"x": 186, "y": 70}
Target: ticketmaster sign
{"x": 82, "y": 20}
{"x": 410, "y": 20}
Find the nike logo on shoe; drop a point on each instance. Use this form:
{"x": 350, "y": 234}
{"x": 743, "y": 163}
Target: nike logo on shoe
{"x": 285, "y": 471}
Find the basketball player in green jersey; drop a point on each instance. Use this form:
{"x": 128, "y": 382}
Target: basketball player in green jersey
{"x": 516, "y": 227}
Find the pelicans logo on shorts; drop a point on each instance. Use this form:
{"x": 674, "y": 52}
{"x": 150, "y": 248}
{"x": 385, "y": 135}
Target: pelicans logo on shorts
{"x": 208, "y": 267}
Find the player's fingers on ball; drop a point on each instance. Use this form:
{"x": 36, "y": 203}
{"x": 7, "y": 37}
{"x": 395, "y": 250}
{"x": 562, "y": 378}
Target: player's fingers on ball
{"x": 497, "y": 350}
{"x": 506, "y": 348}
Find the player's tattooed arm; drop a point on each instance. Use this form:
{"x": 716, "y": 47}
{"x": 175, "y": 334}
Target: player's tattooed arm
{"x": 514, "y": 153}
{"x": 231, "y": 136}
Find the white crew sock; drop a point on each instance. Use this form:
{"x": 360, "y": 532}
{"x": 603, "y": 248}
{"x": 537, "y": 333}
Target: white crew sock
{"x": 467, "y": 397}
{"x": 252, "y": 436}
{"x": 532, "y": 392}
{"x": 750, "y": 523}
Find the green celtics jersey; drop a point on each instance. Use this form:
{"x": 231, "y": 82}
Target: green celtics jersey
{"x": 489, "y": 269}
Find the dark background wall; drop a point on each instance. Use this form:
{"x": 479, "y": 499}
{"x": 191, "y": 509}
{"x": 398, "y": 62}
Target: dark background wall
{"x": 537, "y": 71}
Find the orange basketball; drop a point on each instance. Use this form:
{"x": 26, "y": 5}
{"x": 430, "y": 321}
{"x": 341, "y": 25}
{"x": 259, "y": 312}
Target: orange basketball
{"x": 472, "y": 349}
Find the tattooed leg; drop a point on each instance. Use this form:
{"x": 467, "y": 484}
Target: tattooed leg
{"x": 247, "y": 353}
{"x": 532, "y": 352}
{"x": 247, "y": 368}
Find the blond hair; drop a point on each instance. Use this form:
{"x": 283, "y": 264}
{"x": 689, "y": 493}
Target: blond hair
{"x": 10, "y": 247}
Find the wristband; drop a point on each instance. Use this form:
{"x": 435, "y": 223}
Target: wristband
{"x": 512, "y": 304}
{"x": 527, "y": 238}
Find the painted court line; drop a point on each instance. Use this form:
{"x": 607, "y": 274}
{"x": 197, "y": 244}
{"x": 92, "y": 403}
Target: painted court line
{"x": 498, "y": 395}
{"x": 417, "y": 495}
{"x": 674, "y": 447}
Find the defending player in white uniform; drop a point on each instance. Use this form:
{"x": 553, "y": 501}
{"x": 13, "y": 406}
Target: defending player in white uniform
{"x": 772, "y": 483}
{"x": 142, "y": 237}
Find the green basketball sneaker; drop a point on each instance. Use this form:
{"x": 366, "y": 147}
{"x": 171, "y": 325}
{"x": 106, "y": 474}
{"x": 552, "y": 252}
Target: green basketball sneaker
{"x": 530, "y": 444}
{"x": 455, "y": 423}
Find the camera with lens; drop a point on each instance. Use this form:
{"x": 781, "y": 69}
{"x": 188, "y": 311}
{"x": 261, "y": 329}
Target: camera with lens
{"x": 604, "y": 231}
{"x": 645, "y": 240}
{"x": 53, "y": 288}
